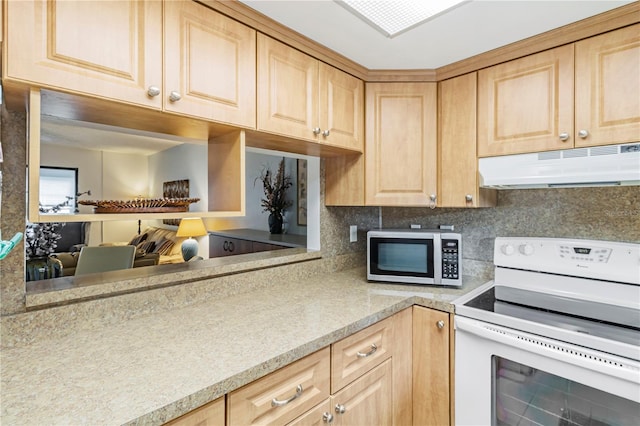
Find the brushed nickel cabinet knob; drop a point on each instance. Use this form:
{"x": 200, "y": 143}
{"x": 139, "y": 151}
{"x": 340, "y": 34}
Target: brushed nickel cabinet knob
{"x": 153, "y": 91}
{"x": 174, "y": 96}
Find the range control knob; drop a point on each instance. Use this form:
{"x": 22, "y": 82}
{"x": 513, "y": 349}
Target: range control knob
{"x": 526, "y": 249}
{"x": 507, "y": 249}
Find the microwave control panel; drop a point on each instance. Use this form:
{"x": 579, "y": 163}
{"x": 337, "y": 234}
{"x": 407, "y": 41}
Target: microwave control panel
{"x": 450, "y": 256}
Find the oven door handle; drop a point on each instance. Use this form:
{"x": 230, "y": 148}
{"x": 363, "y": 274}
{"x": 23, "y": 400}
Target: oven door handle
{"x": 622, "y": 368}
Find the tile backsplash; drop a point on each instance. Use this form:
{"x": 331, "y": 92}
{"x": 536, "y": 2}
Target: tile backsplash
{"x": 607, "y": 213}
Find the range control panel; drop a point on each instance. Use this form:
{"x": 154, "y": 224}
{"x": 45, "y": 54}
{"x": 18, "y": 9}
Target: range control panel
{"x": 605, "y": 260}
{"x": 584, "y": 253}
{"x": 450, "y": 259}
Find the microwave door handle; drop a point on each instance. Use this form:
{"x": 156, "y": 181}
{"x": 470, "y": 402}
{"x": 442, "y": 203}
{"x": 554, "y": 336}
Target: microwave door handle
{"x": 437, "y": 259}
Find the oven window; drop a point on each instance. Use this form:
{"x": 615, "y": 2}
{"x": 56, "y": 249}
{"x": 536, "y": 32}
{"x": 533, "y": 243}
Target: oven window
{"x": 525, "y": 396}
{"x": 397, "y": 256}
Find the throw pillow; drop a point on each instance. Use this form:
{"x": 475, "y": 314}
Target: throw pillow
{"x": 146, "y": 246}
{"x": 164, "y": 247}
{"x": 138, "y": 239}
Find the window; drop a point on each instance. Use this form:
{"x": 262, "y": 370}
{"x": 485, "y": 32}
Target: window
{"x": 58, "y": 189}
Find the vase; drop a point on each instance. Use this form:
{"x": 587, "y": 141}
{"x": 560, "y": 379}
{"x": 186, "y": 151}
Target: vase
{"x": 43, "y": 268}
{"x": 275, "y": 223}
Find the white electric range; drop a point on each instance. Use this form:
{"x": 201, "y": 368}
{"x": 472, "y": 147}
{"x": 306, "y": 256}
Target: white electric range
{"x": 554, "y": 339}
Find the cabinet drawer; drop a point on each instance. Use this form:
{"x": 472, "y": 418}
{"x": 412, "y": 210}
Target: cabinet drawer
{"x": 305, "y": 384}
{"x": 353, "y": 356}
{"x": 211, "y": 414}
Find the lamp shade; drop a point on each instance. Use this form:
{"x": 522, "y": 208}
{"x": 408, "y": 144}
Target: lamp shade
{"x": 191, "y": 227}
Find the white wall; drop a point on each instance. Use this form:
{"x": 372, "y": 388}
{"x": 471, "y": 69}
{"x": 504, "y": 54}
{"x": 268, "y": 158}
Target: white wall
{"x": 89, "y": 165}
{"x": 256, "y": 218}
{"x": 187, "y": 161}
{"x": 124, "y": 177}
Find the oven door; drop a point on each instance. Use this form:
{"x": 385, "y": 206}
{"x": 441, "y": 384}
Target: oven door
{"x": 507, "y": 377}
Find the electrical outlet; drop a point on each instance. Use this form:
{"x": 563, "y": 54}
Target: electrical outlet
{"x": 414, "y": 226}
{"x": 353, "y": 233}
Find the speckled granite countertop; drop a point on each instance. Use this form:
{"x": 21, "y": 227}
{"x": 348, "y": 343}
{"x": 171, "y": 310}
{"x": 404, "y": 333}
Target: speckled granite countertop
{"x": 151, "y": 369}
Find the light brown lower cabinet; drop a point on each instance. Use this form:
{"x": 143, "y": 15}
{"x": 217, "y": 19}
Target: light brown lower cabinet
{"x": 394, "y": 372}
{"x": 211, "y": 414}
{"x": 283, "y": 395}
{"x": 367, "y": 401}
{"x": 431, "y": 368}
{"x": 320, "y": 415}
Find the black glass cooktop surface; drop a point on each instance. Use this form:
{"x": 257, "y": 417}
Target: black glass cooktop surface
{"x": 612, "y": 330}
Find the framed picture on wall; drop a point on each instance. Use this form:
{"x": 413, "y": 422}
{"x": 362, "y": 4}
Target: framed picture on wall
{"x": 302, "y": 192}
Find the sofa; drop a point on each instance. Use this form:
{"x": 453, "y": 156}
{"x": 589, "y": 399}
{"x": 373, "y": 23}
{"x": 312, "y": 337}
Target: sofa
{"x": 154, "y": 246}
{"x": 160, "y": 241}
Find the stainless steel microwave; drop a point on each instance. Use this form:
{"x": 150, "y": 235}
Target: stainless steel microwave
{"x": 414, "y": 256}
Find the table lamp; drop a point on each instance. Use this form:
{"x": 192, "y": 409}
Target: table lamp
{"x": 190, "y": 227}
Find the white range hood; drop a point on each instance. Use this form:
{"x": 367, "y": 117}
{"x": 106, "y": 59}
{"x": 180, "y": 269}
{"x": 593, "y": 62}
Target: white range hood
{"x": 608, "y": 165}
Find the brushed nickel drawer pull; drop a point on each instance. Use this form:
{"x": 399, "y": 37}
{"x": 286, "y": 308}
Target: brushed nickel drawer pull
{"x": 373, "y": 350}
{"x": 278, "y": 403}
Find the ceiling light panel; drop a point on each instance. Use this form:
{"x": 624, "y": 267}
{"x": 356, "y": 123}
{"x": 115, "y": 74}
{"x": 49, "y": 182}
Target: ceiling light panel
{"x": 392, "y": 17}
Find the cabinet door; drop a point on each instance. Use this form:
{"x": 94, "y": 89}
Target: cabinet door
{"x": 283, "y": 395}
{"x": 341, "y": 108}
{"x": 210, "y": 62}
{"x": 211, "y": 414}
{"x": 527, "y": 104}
{"x": 400, "y": 144}
{"x": 608, "y": 88}
{"x": 111, "y": 49}
{"x": 458, "y": 168}
{"x": 287, "y": 90}
{"x": 220, "y": 246}
{"x": 367, "y": 401}
{"x": 320, "y": 415}
{"x": 431, "y": 378}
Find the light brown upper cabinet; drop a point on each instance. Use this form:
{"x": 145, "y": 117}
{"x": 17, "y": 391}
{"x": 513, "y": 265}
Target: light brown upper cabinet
{"x": 608, "y": 88}
{"x": 526, "y": 105}
{"x": 401, "y": 144}
{"x": 114, "y": 50}
{"x": 111, "y": 49}
{"x": 210, "y": 65}
{"x": 458, "y": 169}
{"x": 303, "y": 98}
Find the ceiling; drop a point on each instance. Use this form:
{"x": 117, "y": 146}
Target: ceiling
{"x": 471, "y": 28}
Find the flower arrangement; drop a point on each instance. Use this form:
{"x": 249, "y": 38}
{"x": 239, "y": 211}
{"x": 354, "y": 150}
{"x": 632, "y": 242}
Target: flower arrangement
{"x": 275, "y": 188}
{"x": 41, "y": 239}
